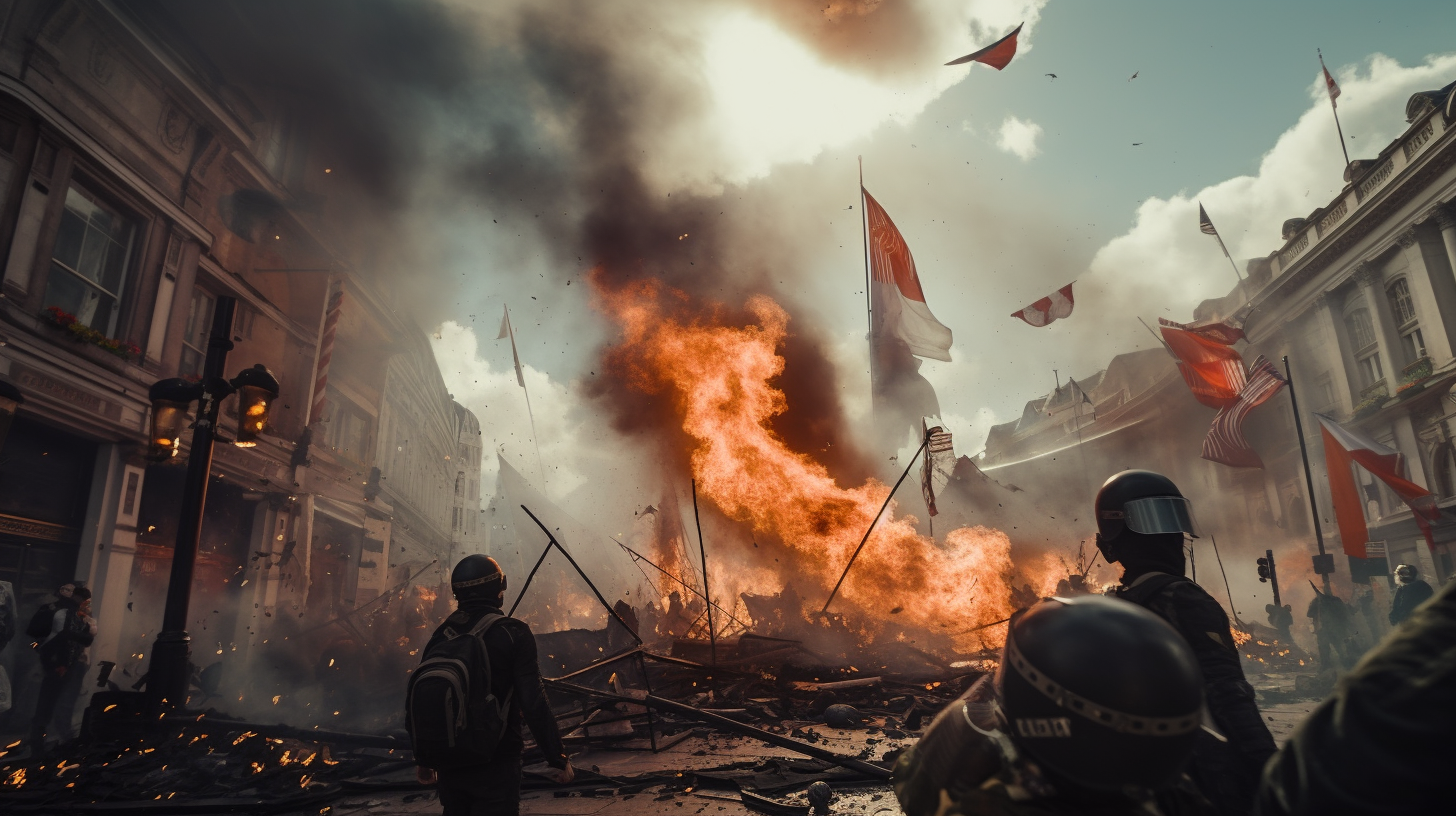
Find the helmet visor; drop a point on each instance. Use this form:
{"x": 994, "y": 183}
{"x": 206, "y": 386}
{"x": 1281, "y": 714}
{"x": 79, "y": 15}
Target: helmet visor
{"x": 1160, "y": 514}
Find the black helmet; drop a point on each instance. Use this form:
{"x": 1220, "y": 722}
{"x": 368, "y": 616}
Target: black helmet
{"x": 1100, "y": 692}
{"x": 478, "y": 577}
{"x": 1143, "y": 502}
{"x": 1405, "y": 573}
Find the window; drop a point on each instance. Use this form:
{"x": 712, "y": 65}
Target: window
{"x": 349, "y": 427}
{"x": 1362, "y": 332}
{"x": 1413, "y": 345}
{"x": 90, "y": 260}
{"x": 194, "y": 337}
{"x": 1400, "y": 302}
{"x": 1370, "y": 371}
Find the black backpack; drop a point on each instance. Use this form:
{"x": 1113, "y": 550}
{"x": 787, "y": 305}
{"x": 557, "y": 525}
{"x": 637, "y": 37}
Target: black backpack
{"x": 452, "y": 715}
{"x": 39, "y": 627}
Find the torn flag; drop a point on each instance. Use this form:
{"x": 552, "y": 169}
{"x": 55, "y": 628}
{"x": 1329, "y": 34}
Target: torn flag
{"x": 1344, "y": 446}
{"x": 899, "y": 302}
{"x": 1217, "y": 332}
{"x": 1052, "y": 307}
{"x": 939, "y": 462}
{"x": 997, "y": 55}
{"x": 1213, "y": 370}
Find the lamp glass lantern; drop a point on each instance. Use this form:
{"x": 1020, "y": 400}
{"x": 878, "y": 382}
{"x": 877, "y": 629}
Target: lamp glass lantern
{"x": 257, "y": 388}
{"x": 171, "y": 401}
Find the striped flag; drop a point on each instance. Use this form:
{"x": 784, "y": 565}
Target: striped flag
{"x": 939, "y": 462}
{"x": 1213, "y": 371}
{"x": 1330, "y": 86}
{"x": 1205, "y": 224}
{"x": 1225, "y": 442}
{"x": 997, "y": 55}
{"x": 326, "y": 354}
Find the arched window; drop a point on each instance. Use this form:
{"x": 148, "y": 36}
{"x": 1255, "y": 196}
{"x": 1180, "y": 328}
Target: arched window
{"x": 1404, "y": 309}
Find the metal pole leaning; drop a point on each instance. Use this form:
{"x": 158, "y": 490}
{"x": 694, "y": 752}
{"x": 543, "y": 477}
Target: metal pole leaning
{"x": 1319, "y": 536}
{"x": 707, "y": 594}
{"x": 579, "y": 571}
{"x": 873, "y": 522}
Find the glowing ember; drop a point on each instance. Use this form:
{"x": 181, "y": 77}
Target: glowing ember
{"x": 718, "y": 378}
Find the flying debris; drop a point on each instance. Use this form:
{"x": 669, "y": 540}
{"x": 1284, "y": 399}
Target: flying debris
{"x": 1137, "y": 144}
{"x": 997, "y": 55}
{"x": 1053, "y": 76}
{"x": 1134, "y": 75}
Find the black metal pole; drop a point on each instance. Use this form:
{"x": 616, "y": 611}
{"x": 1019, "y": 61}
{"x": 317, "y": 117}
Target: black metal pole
{"x": 582, "y": 573}
{"x": 707, "y": 596}
{"x": 873, "y": 522}
{"x": 1273, "y": 576}
{"x": 1227, "y": 591}
{"x": 1319, "y": 536}
{"x": 169, "y": 675}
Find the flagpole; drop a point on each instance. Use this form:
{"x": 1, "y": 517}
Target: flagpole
{"x": 535, "y": 440}
{"x": 1335, "y": 110}
{"x": 1226, "y": 254}
{"x": 864, "y": 231}
{"x": 1319, "y": 535}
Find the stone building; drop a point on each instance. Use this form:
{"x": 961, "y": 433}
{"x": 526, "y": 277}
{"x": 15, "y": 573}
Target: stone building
{"x": 139, "y": 182}
{"x": 1361, "y": 297}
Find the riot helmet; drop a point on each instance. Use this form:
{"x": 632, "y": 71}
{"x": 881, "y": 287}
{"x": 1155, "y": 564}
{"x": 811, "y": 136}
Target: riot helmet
{"x": 1101, "y": 693}
{"x": 478, "y": 578}
{"x": 1143, "y": 502}
{"x": 1405, "y": 574}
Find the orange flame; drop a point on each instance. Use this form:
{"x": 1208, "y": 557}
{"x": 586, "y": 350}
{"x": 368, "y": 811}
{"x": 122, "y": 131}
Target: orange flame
{"x": 719, "y": 381}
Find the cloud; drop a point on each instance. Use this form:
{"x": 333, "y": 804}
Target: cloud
{"x": 1018, "y": 137}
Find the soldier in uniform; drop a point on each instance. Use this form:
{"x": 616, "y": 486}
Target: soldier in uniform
{"x": 1095, "y": 709}
{"x": 1142, "y": 520}
{"x": 1410, "y": 592}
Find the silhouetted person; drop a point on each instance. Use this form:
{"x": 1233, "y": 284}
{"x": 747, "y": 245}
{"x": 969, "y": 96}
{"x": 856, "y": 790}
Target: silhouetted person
{"x": 1410, "y": 592}
{"x": 1332, "y": 630}
{"x": 72, "y": 630}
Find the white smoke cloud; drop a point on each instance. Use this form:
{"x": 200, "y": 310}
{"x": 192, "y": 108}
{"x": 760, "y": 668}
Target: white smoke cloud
{"x": 1165, "y": 266}
{"x": 1019, "y": 137}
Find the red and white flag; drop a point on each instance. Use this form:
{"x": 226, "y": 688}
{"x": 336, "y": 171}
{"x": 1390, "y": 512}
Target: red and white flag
{"x": 1222, "y": 333}
{"x": 997, "y": 55}
{"x": 1344, "y": 446}
{"x": 1225, "y": 442}
{"x": 1052, "y": 307}
{"x": 1213, "y": 371}
{"x": 898, "y": 299}
{"x": 1330, "y": 86}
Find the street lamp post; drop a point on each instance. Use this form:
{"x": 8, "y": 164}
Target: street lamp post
{"x": 169, "y": 676}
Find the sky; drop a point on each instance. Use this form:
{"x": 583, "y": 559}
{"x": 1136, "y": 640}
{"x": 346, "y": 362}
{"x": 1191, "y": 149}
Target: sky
{"x": 1006, "y": 185}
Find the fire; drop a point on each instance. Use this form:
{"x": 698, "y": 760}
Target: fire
{"x": 719, "y": 379}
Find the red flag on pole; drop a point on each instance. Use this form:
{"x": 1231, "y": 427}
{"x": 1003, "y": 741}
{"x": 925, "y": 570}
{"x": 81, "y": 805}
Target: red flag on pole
{"x": 1217, "y": 332}
{"x": 1346, "y": 445}
{"x": 1213, "y": 370}
{"x": 997, "y": 55}
{"x": 895, "y": 286}
{"x": 1052, "y": 307}
{"x": 1330, "y": 86}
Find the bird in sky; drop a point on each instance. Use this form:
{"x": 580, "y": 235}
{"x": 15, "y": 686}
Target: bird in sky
{"x": 1134, "y": 75}
{"x": 1053, "y": 76}
{"x": 1137, "y": 144}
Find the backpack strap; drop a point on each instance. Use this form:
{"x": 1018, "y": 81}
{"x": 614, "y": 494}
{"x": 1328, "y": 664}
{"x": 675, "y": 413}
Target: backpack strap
{"x": 482, "y": 626}
{"x": 1149, "y": 585}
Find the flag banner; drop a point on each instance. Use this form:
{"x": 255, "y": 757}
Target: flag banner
{"x": 938, "y": 464}
{"x": 899, "y": 302}
{"x": 997, "y": 55}
{"x": 1213, "y": 371}
{"x": 1217, "y": 332}
{"x": 1071, "y": 393}
{"x": 505, "y": 331}
{"x": 1346, "y": 446}
{"x": 1330, "y": 86}
{"x": 1225, "y": 442}
{"x": 1050, "y": 308}
{"x": 1205, "y": 224}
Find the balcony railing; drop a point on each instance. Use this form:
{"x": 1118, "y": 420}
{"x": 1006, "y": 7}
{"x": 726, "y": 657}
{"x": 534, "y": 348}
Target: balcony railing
{"x": 1371, "y": 398}
{"x": 1417, "y": 371}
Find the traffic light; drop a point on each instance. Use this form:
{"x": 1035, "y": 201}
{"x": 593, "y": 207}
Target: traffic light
{"x": 1263, "y": 570}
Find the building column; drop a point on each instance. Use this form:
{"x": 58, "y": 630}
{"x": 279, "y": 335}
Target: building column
{"x": 1406, "y": 442}
{"x": 1445, "y": 216}
{"x": 1327, "y": 315}
{"x": 1371, "y": 283}
{"x": 1423, "y": 294}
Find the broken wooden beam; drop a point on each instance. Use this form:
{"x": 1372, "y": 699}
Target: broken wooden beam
{"x": 726, "y": 724}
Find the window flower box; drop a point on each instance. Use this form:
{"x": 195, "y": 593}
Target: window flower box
{"x": 81, "y": 333}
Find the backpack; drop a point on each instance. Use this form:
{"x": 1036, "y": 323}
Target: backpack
{"x": 39, "y": 627}
{"x": 453, "y": 717}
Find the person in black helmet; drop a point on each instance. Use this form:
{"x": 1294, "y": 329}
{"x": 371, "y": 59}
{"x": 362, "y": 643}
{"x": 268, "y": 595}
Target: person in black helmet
{"x": 1095, "y": 709}
{"x": 1410, "y": 592}
{"x": 479, "y": 586}
{"x": 1142, "y": 519}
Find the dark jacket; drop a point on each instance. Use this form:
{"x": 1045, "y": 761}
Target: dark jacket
{"x": 1382, "y": 742}
{"x": 1226, "y": 773}
{"x": 514, "y": 667}
{"x": 70, "y": 635}
{"x": 1407, "y": 598}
